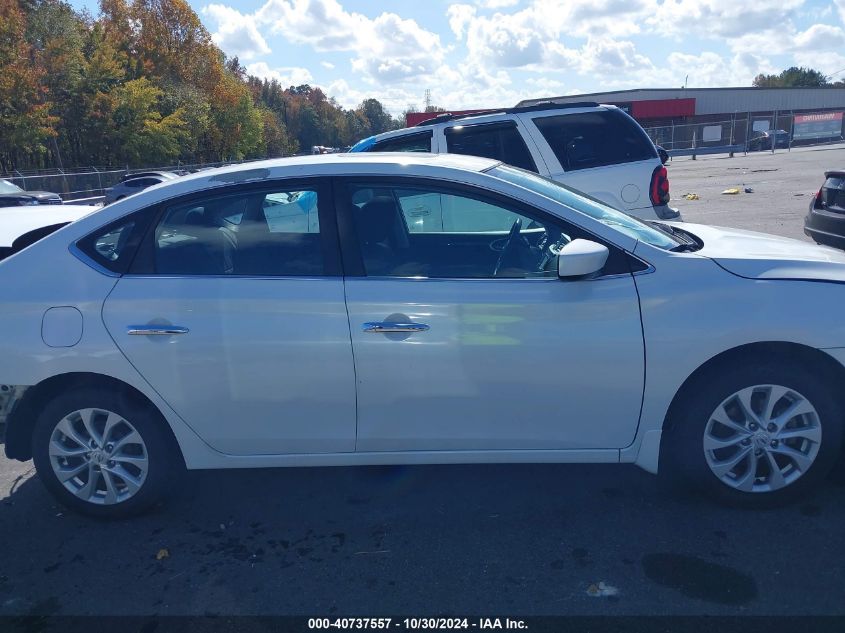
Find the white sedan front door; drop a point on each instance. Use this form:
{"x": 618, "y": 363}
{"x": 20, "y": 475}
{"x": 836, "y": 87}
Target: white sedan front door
{"x": 466, "y": 339}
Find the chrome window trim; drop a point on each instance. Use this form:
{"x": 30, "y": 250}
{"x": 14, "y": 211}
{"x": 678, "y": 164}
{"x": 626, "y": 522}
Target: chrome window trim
{"x": 492, "y": 279}
{"x": 173, "y": 276}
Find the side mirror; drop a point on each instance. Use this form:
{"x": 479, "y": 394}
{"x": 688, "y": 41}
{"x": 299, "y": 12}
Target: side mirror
{"x": 580, "y": 258}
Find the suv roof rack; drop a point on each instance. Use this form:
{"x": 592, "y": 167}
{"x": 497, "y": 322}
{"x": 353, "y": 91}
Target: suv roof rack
{"x": 543, "y": 105}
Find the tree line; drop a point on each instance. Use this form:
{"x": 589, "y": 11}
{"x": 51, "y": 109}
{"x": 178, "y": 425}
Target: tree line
{"x": 796, "y": 77}
{"x": 143, "y": 84}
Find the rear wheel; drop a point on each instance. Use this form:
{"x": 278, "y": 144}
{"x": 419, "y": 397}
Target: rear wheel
{"x": 757, "y": 435}
{"x": 103, "y": 454}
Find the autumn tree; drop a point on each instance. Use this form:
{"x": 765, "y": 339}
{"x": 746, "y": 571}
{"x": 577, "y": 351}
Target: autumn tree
{"x": 378, "y": 119}
{"x": 143, "y": 84}
{"x": 172, "y": 42}
{"x": 25, "y": 120}
{"x": 237, "y": 125}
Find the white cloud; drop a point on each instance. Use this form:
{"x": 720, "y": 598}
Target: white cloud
{"x": 544, "y": 36}
{"x": 827, "y": 62}
{"x": 840, "y": 7}
{"x": 710, "y": 69}
{"x": 722, "y": 18}
{"x": 386, "y": 48}
{"x": 497, "y": 52}
{"x": 322, "y": 24}
{"x": 496, "y": 4}
{"x": 285, "y": 75}
{"x": 236, "y": 33}
{"x": 460, "y": 15}
{"x": 785, "y": 39}
{"x": 820, "y": 37}
{"x": 398, "y": 49}
{"x": 508, "y": 41}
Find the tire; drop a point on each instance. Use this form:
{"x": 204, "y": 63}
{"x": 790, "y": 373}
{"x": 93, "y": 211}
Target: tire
{"x": 144, "y": 467}
{"x": 710, "y": 430}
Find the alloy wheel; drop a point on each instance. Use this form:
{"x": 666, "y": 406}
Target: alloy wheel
{"x": 98, "y": 456}
{"x": 762, "y": 438}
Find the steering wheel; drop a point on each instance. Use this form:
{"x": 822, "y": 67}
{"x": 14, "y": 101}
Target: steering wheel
{"x": 513, "y": 236}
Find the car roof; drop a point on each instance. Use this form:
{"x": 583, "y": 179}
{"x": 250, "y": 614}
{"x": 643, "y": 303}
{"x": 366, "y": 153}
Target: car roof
{"x": 17, "y": 221}
{"x": 335, "y": 165}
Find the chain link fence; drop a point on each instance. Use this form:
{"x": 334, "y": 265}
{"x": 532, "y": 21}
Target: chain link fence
{"x": 744, "y": 133}
{"x": 88, "y": 184}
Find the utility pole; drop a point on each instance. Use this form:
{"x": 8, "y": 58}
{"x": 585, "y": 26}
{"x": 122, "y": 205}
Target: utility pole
{"x": 427, "y": 99}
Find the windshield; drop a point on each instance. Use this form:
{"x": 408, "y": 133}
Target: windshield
{"x": 363, "y": 145}
{"x": 578, "y": 201}
{"x": 7, "y": 187}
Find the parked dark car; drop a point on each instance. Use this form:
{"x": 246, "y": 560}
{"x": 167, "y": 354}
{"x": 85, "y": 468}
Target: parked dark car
{"x": 825, "y": 222}
{"x": 13, "y": 196}
{"x": 763, "y": 140}
{"x": 133, "y": 183}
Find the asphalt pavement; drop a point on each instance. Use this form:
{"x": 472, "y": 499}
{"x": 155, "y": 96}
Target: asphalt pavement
{"x": 427, "y": 540}
{"x": 424, "y": 540}
{"x": 782, "y": 186}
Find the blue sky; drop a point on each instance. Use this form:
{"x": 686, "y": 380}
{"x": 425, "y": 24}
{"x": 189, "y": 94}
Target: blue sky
{"x": 488, "y": 53}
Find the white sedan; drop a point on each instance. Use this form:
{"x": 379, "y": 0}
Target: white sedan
{"x": 25, "y": 225}
{"x": 409, "y": 309}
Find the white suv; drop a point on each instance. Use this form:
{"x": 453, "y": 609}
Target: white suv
{"x": 597, "y": 149}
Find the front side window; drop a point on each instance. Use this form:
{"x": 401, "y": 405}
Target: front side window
{"x": 578, "y": 201}
{"x": 496, "y": 141}
{"x": 419, "y": 142}
{"x": 594, "y": 139}
{"x": 274, "y": 233}
{"x": 428, "y": 232}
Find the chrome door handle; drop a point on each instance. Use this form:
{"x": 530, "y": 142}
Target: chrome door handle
{"x": 400, "y": 328}
{"x": 156, "y": 330}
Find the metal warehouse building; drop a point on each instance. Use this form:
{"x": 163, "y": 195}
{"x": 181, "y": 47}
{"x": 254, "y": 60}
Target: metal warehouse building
{"x": 663, "y": 106}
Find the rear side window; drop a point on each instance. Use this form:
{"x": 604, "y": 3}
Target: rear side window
{"x": 113, "y": 246}
{"x": 496, "y": 141}
{"x": 274, "y": 233}
{"x": 419, "y": 142}
{"x": 595, "y": 139}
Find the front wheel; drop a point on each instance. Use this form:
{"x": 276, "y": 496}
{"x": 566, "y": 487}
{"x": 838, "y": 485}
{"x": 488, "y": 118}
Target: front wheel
{"x": 103, "y": 454}
{"x": 756, "y": 436}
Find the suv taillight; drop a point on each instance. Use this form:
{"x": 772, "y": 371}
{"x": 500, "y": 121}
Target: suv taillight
{"x": 819, "y": 204}
{"x": 659, "y": 189}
